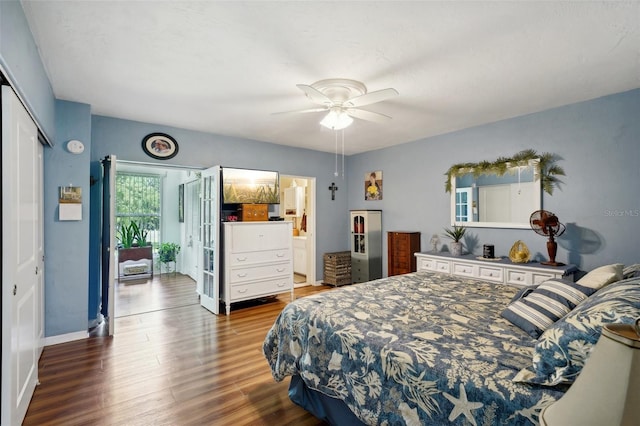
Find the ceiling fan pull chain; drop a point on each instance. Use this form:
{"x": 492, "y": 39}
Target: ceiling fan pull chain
{"x": 342, "y": 154}
{"x": 335, "y": 173}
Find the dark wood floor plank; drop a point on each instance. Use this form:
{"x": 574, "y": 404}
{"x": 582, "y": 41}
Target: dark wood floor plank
{"x": 171, "y": 362}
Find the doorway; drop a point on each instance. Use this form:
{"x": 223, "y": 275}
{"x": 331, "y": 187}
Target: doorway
{"x": 181, "y": 224}
{"x": 304, "y": 245}
{"x": 174, "y": 220}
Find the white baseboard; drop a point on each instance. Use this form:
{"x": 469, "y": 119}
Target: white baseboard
{"x": 64, "y": 338}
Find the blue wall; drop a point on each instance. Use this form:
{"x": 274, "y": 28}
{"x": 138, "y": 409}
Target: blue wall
{"x": 67, "y": 242}
{"x": 599, "y": 202}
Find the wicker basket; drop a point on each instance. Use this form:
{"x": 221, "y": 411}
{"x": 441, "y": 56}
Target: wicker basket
{"x": 519, "y": 252}
{"x": 337, "y": 268}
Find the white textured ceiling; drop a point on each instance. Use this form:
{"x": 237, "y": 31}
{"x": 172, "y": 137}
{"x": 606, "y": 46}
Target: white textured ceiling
{"x": 224, "y": 67}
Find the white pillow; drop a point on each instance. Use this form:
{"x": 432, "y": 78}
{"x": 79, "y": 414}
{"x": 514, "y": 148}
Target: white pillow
{"x": 602, "y": 276}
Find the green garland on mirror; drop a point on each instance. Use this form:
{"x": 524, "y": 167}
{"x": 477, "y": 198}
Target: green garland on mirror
{"x": 546, "y": 170}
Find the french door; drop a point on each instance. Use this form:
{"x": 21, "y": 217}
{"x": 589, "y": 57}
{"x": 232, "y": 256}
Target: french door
{"x": 208, "y": 283}
{"x": 22, "y": 258}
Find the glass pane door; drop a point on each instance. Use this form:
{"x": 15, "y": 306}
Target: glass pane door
{"x": 210, "y": 232}
{"x": 358, "y": 232}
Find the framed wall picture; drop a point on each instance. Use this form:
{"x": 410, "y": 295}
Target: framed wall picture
{"x": 160, "y": 146}
{"x": 373, "y": 185}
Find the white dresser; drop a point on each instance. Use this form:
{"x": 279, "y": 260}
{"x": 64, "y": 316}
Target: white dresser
{"x": 257, "y": 261}
{"x": 503, "y": 271}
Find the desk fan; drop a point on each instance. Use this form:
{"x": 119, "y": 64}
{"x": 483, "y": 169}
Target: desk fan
{"x": 547, "y": 224}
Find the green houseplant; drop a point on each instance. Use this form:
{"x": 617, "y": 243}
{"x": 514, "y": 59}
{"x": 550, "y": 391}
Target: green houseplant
{"x": 140, "y": 234}
{"x": 134, "y": 244}
{"x": 126, "y": 235}
{"x": 546, "y": 168}
{"x": 167, "y": 253}
{"x": 456, "y": 233}
{"x": 132, "y": 234}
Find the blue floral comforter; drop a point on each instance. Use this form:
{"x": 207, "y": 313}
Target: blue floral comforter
{"x": 414, "y": 349}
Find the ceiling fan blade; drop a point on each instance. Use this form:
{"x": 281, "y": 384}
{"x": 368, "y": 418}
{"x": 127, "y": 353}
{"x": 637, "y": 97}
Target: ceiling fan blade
{"x": 315, "y": 95}
{"x": 371, "y": 98}
{"x": 301, "y": 111}
{"x": 367, "y": 115}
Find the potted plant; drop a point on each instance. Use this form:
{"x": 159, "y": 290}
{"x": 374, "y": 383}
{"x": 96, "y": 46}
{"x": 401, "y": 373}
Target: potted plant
{"x": 133, "y": 243}
{"x": 167, "y": 253}
{"x": 126, "y": 235}
{"x": 139, "y": 234}
{"x": 456, "y": 233}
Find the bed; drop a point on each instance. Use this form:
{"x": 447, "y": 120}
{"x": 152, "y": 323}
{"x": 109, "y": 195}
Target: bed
{"x": 420, "y": 348}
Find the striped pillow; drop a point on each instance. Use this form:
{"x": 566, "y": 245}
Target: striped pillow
{"x": 537, "y": 310}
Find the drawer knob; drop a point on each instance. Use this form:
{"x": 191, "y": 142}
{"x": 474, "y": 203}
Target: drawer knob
{"x": 282, "y": 284}
{"x": 280, "y": 254}
{"x": 241, "y": 259}
{"x": 242, "y": 275}
{"x": 244, "y": 290}
{"x": 280, "y": 269}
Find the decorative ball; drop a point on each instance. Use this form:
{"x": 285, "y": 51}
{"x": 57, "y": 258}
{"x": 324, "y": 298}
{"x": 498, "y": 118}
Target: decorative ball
{"x": 519, "y": 253}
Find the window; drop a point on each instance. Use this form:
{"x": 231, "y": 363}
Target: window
{"x": 463, "y": 202}
{"x": 138, "y": 199}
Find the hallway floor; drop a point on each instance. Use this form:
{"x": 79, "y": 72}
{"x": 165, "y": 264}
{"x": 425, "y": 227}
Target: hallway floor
{"x": 163, "y": 291}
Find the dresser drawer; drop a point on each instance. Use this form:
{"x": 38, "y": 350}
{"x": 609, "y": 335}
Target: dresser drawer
{"x": 516, "y": 277}
{"x": 523, "y": 278}
{"x": 434, "y": 265}
{"x": 539, "y": 277}
{"x": 463, "y": 269}
{"x": 247, "y": 258}
{"x": 260, "y": 288}
{"x": 239, "y": 275}
{"x": 245, "y": 237}
{"x": 489, "y": 273}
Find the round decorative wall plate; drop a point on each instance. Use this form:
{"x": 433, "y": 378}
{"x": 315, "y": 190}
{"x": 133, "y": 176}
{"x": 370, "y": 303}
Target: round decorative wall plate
{"x": 160, "y": 146}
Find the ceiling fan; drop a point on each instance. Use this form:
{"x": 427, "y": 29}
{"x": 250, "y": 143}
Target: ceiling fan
{"x": 342, "y": 99}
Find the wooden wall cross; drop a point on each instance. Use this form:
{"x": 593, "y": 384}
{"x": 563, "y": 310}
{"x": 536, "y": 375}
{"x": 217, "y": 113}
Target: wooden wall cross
{"x": 333, "y": 188}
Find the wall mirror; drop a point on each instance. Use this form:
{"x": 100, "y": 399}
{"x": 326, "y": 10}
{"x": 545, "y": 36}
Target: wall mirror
{"x": 496, "y": 199}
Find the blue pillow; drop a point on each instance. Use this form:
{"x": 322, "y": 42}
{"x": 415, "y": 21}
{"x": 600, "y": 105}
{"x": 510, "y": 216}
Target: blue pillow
{"x": 523, "y": 292}
{"x": 537, "y": 310}
{"x": 563, "y": 349}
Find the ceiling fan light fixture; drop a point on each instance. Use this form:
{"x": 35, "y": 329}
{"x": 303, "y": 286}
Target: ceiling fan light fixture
{"x": 336, "y": 120}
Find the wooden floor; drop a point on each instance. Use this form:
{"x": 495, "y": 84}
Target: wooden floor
{"x": 165, "y": 291}
{"x": 177, "y": 365}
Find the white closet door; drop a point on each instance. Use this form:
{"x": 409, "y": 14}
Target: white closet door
{"x": 21, "y": 272}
